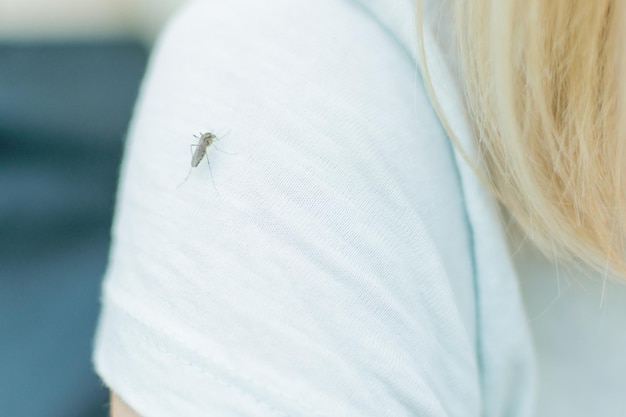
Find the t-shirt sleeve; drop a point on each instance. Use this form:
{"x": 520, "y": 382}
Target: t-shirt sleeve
{"x": 288, "y": 274}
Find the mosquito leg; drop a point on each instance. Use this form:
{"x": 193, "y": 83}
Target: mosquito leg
{"x": 212, "y": 180}
{"x": 189, "y": 173}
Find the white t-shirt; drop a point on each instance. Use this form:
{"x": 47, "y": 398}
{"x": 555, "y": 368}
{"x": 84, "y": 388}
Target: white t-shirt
{"x": 338, "y": 257}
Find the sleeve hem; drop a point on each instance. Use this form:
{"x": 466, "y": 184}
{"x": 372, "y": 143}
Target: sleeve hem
{"x": 145, "y": 370}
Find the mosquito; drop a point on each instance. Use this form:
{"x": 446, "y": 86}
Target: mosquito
{"x": 205, "y": 140}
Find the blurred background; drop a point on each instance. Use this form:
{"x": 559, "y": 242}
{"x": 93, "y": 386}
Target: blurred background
{"x": 70, "y": 71}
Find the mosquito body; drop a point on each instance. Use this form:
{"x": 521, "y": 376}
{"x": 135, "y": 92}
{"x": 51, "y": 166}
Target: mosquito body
{"x": 204, "y": 141}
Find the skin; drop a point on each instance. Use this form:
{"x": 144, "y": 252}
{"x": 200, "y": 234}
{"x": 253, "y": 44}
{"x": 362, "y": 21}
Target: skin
{"x": 119, "y": 408}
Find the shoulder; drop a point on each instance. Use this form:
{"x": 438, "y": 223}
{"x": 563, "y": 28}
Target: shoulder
{"x": 315, "y": 272}
{"x": 311, "y": 63}
{"x": 307, "y": 88}
{"x": 312, "y": 101}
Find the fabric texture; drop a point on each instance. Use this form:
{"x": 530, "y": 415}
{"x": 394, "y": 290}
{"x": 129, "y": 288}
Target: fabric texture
{"x": 338, "y": 257}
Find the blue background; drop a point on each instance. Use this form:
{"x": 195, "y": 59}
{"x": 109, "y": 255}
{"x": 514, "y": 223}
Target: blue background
{"x": 64, "y": 112}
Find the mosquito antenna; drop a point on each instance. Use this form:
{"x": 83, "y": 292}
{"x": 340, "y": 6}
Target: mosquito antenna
{"x": 221, "y": 137}
{"x": 224, "y": 135}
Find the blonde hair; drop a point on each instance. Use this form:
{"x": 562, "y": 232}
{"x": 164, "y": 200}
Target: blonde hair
{"x": 543, "y": 91}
